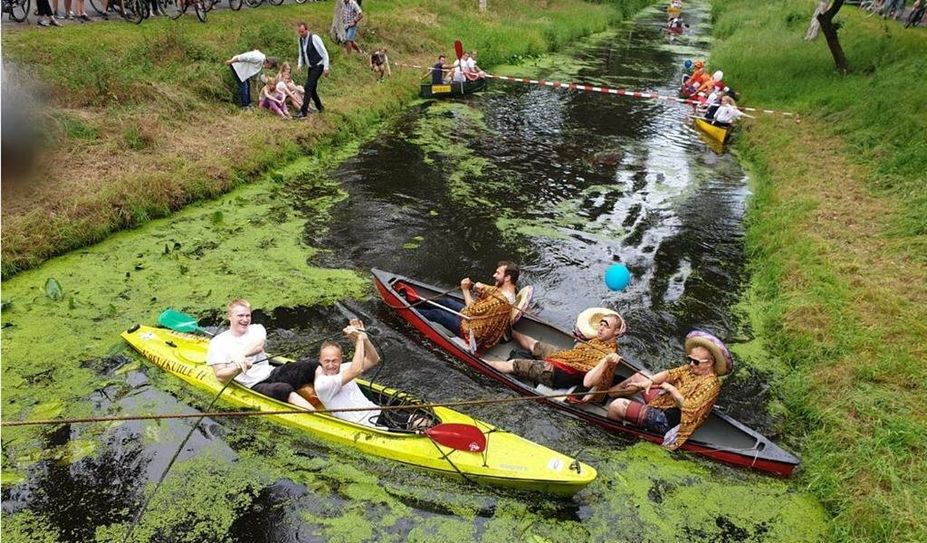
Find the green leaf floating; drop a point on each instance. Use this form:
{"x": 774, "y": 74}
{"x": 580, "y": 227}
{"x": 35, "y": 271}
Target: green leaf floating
{"x": 53, "y": 289}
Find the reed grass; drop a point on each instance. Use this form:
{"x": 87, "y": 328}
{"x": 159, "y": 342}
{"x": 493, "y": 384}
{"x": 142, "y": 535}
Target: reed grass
{"x": 836, "y": 238}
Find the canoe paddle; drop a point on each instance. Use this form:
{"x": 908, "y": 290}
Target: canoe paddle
{"x": 463, "y": 437}
{"x": 181, "y": 322}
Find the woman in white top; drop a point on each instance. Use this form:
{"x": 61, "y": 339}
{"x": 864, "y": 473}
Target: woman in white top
{"x": 244, "y": 67}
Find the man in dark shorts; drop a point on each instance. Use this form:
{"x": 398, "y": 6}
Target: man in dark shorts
{"x": 239, "y": 353}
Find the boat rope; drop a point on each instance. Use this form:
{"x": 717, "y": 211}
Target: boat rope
{"x": 586, "y": 87}
{"x": 141, "y": 511}
{"x": 222, "y": 414}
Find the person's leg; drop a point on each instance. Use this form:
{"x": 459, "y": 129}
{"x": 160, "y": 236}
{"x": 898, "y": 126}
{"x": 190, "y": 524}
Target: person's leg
{"x": 442, "y": 317}
{"x": 244, "y": 89}
{"x": 618, "y": 409}
{"x": 276, "y": 108}
{"x": 525, "y": 341}
{"x": 312, "y": 85}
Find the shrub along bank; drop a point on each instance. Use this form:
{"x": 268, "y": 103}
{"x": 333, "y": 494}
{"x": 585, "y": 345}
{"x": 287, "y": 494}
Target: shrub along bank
{"x": 837, "y": 238}
{"x": 141, "y": 119}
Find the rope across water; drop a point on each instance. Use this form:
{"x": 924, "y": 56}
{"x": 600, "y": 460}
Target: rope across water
{"x": 606, "y": 90}
{"x": 223, "y": 414}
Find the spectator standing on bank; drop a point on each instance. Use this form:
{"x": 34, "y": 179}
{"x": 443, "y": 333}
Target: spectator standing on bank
{"x": 46, "y": 17}
{"x": 244, "y": 67}
{"x": 351, "y": 15}
{"x": 314, "y": 56}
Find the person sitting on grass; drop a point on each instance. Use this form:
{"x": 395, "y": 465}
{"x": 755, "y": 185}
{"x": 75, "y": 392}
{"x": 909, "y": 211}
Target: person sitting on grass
{"x": 379, "y": 63}
{"x": 294, "y": 93}
{"x": 239, "y": 353}
{"x": 273, "y": 99}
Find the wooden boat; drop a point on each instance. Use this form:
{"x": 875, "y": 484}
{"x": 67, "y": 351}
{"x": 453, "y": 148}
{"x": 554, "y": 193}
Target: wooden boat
{"x": 721, "y": 437}
{"x": 506, "y": 460}
{"x": 452, "y": 89}
{"x": 720, "y": 134}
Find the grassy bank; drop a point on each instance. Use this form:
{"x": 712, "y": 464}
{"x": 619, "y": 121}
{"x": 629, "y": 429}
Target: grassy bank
{"x": 140, "y": 119}
{"x": 837, "y": 239}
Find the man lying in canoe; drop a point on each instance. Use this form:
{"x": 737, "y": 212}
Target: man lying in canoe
{"x": 557, "y": 367}
{"x": 678, "y": 400}
{"x": 486, "y": 312}
{"x": 239, "y": 353}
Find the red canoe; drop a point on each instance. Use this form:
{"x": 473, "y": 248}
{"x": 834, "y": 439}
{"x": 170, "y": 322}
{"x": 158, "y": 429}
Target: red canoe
{"x": 721, "y": 438}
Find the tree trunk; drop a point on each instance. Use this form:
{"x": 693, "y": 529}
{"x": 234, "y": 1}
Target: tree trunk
{"x": 830, "y": 34}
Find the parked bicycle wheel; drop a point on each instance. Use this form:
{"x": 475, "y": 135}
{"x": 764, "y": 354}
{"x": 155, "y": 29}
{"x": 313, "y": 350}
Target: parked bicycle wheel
{"x": 275, "y": 2}
{"x": 19, "y": 10}
{"x": 96, "y": 5}
{"x": 166, "y": 6}
{"x": 200, "y": 7}
{"x": 254, "y": 3}
{"x": 178, "y": 8}
{"x": 235, "y": 5}
{"x": 134, "y": 10}
{"x": 301, "y": 1}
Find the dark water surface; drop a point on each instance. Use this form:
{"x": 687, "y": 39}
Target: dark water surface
{"x": 566, "y": 183}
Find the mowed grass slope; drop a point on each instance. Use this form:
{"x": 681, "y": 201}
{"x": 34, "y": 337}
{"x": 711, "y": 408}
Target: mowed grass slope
{"x": 837, "y": 238}
{"x": 141, "y": 119}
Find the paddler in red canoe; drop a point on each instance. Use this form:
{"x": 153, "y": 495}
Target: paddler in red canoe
{"x": 560, "y": 368}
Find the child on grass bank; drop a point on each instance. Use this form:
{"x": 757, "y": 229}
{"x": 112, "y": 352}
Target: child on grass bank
{"x": 273, "y": 99}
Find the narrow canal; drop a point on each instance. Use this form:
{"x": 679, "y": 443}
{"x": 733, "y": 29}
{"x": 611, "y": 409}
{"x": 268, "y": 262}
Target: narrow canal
{"x": 565, "y": 183}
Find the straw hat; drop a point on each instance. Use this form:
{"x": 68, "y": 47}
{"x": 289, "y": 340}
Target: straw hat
{"x": 587, "y": 323}
{"x": 724, "y": 363}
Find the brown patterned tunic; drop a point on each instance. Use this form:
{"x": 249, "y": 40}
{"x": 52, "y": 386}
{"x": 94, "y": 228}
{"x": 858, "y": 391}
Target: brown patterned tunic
{"x": 489, "y": 316}
{"x": 584, "y": 356}
{"x": 699, "y": 393}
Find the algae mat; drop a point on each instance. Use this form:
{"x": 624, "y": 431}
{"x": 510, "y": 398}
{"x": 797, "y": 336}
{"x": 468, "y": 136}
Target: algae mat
{"x": 63, "y": 315}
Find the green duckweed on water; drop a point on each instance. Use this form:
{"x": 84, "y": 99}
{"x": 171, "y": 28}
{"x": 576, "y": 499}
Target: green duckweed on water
{"x": 247, "y": 243}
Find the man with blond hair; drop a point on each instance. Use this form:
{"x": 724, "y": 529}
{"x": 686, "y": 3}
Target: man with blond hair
{"x": 238, "y": 353}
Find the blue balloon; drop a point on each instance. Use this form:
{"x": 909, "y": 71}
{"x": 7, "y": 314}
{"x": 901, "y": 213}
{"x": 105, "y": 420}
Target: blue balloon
{"x": 687, "y": 63}
{"x": 617, "y": 277}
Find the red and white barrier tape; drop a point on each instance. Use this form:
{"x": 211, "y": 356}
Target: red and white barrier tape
{"x": 605, "y": 90}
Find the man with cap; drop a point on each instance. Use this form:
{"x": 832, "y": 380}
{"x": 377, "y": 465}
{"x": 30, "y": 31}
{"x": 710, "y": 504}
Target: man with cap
{"x": 678, "y": 401}
{"x": 557, "y": 367}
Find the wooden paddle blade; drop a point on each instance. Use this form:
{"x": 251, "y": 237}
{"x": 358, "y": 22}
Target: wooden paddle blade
{"x": 177, "y": 321}
{"x": 463, "y": 437}
{"x": 458, "y": 48}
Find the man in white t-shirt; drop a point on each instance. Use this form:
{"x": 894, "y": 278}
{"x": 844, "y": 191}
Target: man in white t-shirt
{"x": 239, "y": 353}
{"x": 244, "y": 67}
{"x": 335, "y": 382}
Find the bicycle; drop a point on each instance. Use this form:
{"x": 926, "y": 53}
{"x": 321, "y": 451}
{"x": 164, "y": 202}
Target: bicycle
{"x": 256, "y": 3}
{"x": 133, "y": 11}
{"x": 18, "y": 9}
{"x": 234, "y": 5}
{"x": 199, "y": 6}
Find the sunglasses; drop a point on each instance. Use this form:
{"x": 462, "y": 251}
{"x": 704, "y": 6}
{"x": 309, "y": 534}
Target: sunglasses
{"x": 696, "y": 361}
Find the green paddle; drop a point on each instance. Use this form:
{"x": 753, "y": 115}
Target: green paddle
{"x": 181, "y": 322}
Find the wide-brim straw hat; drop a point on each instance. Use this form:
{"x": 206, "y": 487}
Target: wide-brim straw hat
{"x": 724, "y": 362}
{"x": 587, "y": 323}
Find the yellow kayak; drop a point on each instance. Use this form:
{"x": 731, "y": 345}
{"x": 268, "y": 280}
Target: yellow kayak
{"x": 716, "y": 133}
{"x": 507, "y": 459}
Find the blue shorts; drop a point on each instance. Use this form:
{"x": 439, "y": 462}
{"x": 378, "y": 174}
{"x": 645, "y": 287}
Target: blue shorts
{"x": 350, "y": 33}
{"x": 656, "y": 421}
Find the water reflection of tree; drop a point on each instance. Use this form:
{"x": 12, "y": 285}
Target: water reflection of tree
{"x": 96, "y": 491}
